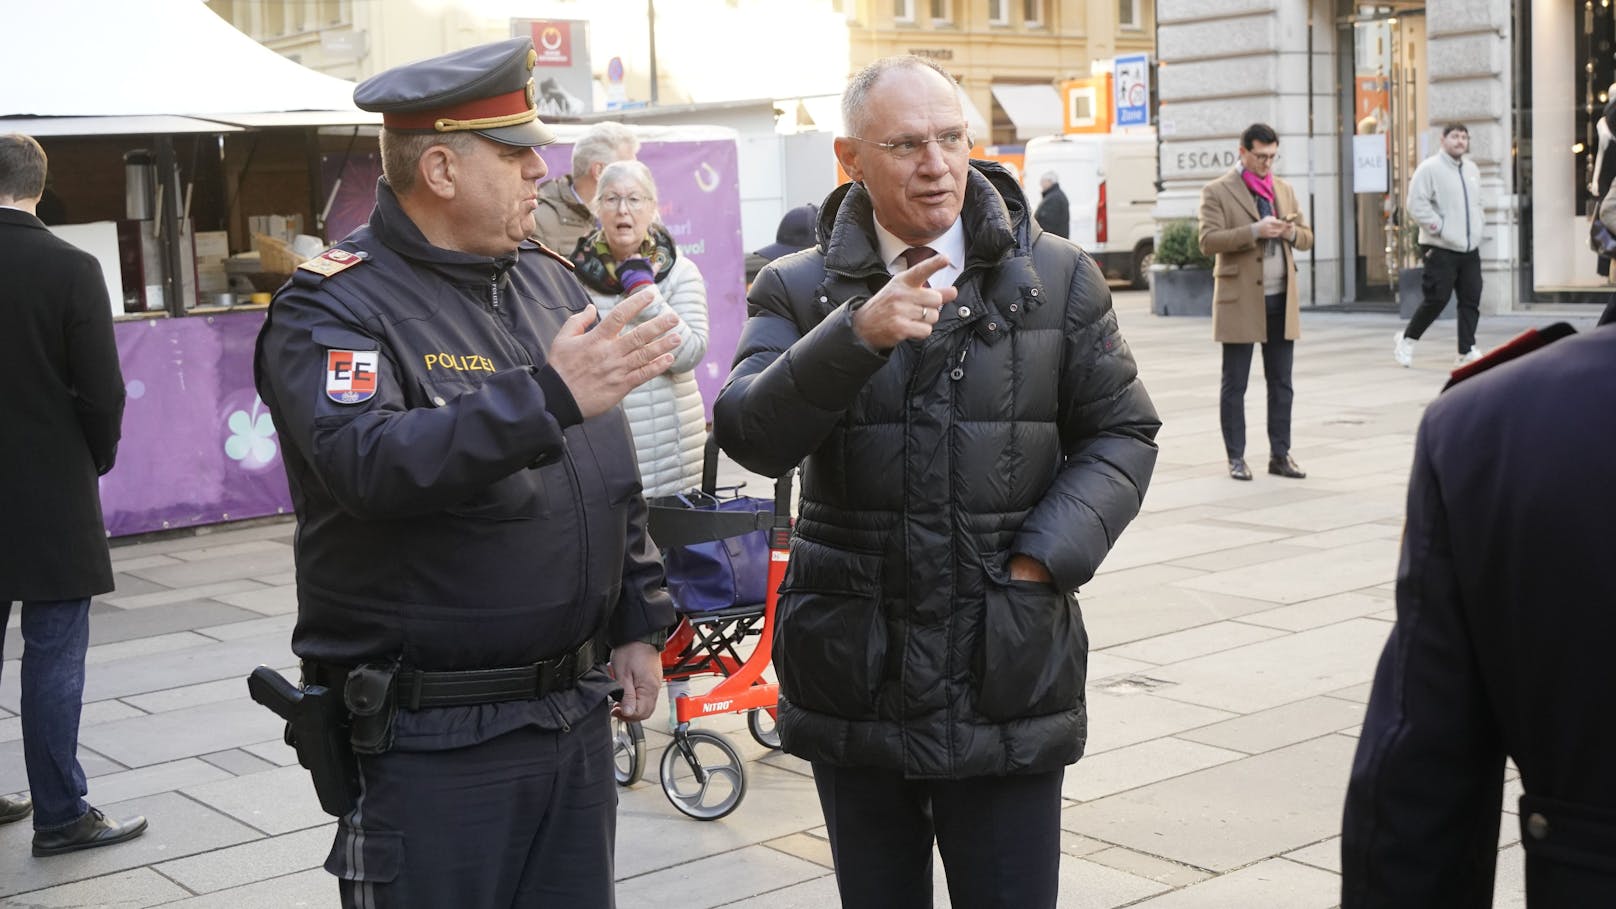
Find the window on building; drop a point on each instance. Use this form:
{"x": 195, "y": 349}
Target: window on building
{"x": 1128, "y": 14}
{"x": 998, "y": 12}
{"x": 1032, "y": 13}
{"x": 335, "y": 12}
{"x": 903, "y": 10}
{"x": 275, "y": 18}
{"x": 941, "y": 12}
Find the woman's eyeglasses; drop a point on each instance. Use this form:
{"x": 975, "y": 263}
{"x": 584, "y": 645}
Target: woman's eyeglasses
{"x": 634, "y": 203}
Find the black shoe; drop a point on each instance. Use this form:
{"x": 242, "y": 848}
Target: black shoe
{"x": 1238, "y": 469}
{"x": 15, "y": 808}
{"x": 1285, "y": 467}
{"x": 88, "y": 832}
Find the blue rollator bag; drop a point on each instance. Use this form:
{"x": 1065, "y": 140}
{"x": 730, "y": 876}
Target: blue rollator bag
{"x": 725, "y": 572}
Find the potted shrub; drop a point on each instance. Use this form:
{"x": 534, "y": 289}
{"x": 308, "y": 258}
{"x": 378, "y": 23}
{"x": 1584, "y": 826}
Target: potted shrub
{"x": 1181, "y": 277}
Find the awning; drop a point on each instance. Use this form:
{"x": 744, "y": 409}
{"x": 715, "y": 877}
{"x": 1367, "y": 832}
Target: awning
{"x": 155, "y": 125}
{"x": 979, "y": 125}
{"x": 1034, "y": 109}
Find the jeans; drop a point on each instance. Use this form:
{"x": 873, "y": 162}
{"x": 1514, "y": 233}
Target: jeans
{"x": 55, "y": 635}
{"x": 1445, "y": 272}
{"x": 1277, "y": 357}
{"x": 999, "y": 837}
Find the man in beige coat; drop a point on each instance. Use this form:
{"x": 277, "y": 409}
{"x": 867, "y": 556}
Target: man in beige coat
{"x": 1251, "y": 222}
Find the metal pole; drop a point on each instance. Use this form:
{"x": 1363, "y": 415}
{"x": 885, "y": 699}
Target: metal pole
{"x": 168, "y": 191}
{"x": 650, "y": 19}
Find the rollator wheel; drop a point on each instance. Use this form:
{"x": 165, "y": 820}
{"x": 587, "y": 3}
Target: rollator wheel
{"x": 764, "y": 728}
{"x": 628, "y": 751}
{"x": 706, "y": 783}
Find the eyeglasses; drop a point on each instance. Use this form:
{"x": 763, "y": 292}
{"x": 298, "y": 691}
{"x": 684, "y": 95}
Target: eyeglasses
{"x": 634, "y": 203}
{"x": 1266, "y": 159}
{"x": 949, "y": 142}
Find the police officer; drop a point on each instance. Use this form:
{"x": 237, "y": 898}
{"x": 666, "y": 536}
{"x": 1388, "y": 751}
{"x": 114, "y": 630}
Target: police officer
{"x": 1502, "y": 645}
{"x": 469, "y": 511}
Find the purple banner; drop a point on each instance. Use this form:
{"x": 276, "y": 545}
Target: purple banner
{"x": 700, "y": 197}
{"x": 198, "y": 446}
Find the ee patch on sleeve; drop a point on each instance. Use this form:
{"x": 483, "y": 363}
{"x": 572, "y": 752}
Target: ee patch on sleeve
{"x": 350, "y": 375}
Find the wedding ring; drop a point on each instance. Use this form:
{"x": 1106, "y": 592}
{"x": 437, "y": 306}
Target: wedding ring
{"x": 922, "y": 313}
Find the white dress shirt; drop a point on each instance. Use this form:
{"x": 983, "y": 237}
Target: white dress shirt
{"x": 951, "y": 245}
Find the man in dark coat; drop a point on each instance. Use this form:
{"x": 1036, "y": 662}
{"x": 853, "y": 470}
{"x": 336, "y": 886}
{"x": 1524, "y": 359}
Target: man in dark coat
{"x": 1501, "y": 647}
{"x": 62, "y": 412}
{"x": 471, "y": 528}
{"x": 975, "y": 440}
{"x": 1053, "y": 214}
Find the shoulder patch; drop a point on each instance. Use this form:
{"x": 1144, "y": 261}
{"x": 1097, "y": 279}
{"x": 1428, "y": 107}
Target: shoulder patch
{"x": 555, "y": 255}
{"x": 1518, "y": 346}
{"x": 332, "y": 261}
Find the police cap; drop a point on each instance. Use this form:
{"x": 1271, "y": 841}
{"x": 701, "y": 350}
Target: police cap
{"x": 486, "y": 89}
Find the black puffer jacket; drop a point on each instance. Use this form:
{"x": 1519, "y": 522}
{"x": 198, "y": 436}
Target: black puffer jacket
{"x": 1019, "y": 426}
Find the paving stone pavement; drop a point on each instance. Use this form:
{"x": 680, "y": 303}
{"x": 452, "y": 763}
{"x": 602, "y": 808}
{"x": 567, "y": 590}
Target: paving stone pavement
{"x": 1236, "y": 628}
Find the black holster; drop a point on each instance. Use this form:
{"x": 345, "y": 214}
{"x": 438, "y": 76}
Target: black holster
{"x": 317, "y": 728}
{"x": 371, "y": 696}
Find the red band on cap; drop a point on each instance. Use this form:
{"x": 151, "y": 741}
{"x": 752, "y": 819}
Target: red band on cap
{"x": 506, "y": 105}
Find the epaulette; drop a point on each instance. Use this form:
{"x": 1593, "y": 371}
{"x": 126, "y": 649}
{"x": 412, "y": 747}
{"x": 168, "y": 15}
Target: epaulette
{"x": 1518, "y": 346}
{"x": 554, "y": 255}
{"x": 331, "y": 262}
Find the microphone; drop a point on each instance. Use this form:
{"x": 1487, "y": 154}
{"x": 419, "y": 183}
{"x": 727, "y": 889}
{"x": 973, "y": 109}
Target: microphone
{"x": 634, "y": 274}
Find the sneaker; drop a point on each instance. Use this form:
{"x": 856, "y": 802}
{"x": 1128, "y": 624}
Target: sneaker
{"x": 1469, "y": 356}
{"x": 1403, "y": 350}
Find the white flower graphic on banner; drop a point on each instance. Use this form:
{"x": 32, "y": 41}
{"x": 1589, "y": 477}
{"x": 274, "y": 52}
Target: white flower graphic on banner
{"x": 252, "y": 436}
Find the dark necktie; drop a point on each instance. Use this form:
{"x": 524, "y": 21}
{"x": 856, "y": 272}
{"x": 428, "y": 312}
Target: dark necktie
{"x": 915, "y": 255}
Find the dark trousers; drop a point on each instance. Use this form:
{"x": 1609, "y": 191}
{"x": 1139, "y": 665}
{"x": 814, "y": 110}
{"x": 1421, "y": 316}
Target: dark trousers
{"x": 999, "y": 838}
{"x": 55, "y": 635}
{"x": 1445, "y": 272}
{"x": 526, "y": 819}
{"x": 1277, "y": 355}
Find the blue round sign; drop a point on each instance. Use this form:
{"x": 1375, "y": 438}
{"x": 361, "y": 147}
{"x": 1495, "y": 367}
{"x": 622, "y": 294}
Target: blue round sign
{"x": 614, "y": 70}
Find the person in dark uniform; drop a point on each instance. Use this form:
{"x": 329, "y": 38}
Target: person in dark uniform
{"x": 470, "y": 523}
{"x": 976, "y": 438}
{"x": 1502, "y": 645}
{"x": 1053, "y": 214}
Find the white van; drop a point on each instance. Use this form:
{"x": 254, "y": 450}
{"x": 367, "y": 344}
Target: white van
{"x": 1110, "y": 186}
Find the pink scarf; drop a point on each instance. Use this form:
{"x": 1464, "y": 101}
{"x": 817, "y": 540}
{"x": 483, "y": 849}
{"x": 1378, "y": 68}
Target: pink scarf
{"x": 1262, "y": 186}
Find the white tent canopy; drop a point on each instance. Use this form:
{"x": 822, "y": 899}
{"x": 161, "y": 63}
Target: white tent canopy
{"x": 151, "y": 58}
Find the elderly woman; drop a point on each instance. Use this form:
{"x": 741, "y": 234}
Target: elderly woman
{"x": 629, "y": 250}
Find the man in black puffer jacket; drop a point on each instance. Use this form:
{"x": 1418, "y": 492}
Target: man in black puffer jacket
{"x": 975, "y": 438}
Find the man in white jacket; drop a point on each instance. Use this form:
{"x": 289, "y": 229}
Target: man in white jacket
{"x": 1444, "y": 198}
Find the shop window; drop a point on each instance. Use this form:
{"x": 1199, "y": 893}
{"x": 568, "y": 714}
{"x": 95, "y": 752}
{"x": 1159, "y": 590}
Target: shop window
{"x": 1032, "y": 13}
{"x": 998, "y": 12}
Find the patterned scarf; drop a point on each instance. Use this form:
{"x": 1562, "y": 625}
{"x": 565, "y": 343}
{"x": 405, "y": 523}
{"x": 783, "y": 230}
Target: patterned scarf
{"x": 597, "y": 267}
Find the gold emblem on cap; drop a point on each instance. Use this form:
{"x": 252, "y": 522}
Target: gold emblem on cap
{"x": 532, "y": 58}
{"x": 531, "y": 95}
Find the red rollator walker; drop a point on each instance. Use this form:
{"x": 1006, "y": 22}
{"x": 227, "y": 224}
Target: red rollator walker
{"x": 702, "y": 774}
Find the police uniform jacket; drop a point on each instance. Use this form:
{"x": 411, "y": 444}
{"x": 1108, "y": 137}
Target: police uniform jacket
{"x": 60, "y": 415}
{"x": 1502, "y": 646}
{"x": 461, "y": 516}
{"x": 1018, "y": 426}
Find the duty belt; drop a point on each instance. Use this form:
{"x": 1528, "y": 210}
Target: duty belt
{"x": 420, "y": 688}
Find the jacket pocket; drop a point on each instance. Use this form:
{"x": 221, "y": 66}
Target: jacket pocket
{"x": 368, "y": 856}
{"x": 831, "y": 635}
{"x": 1225, "y": 279}
{"x": 517, "y": 497}
{"x": 1032, "y": 655}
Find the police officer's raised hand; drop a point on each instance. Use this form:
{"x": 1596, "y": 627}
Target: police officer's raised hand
{"x": 905, "y": 308}
{"x": 602, "y": 364}
{"x": 637, "y": 666}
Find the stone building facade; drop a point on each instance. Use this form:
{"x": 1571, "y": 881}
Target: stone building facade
{"x": 1333, "y": 75}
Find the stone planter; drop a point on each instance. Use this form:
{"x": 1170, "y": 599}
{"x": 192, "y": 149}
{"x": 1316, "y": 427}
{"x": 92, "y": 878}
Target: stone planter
{"x": 1180, "y": 291}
